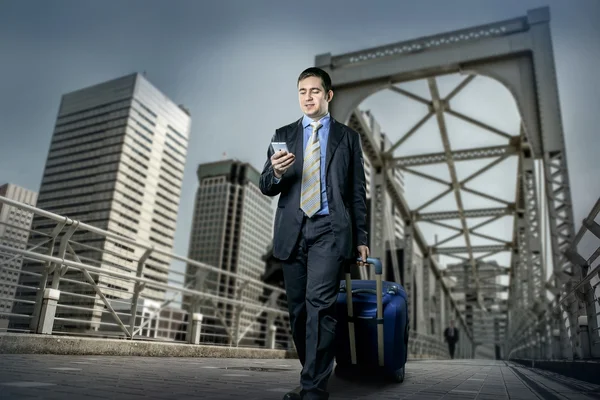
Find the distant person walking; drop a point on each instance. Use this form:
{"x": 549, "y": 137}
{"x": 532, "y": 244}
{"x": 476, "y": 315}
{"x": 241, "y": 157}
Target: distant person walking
{"x": 451, "y": 336}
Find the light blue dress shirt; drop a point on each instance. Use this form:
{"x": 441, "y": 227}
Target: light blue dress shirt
{"x": 323, "y": 135}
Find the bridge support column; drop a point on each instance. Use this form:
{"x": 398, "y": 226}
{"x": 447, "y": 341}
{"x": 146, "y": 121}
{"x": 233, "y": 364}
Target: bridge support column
{"x": 556, "y": 344}
{"x": 584, "y": 337}
{"x": 378, "y": 216}
{"x": 408, "y": 274}
{"x": 48, "y": 311}
{"x": 540, "y": 353}
{"x": 427, "y": 311}
{"x": 547, "y": 334}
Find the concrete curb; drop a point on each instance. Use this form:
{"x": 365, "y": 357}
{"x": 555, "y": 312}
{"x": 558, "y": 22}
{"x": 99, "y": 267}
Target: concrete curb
{"x": 22, "y": 343}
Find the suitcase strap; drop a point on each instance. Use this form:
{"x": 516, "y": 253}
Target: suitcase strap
{"x": 391, "y": 290}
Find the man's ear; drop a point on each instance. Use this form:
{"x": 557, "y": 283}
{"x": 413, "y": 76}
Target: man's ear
{"x": 329, "y": 95}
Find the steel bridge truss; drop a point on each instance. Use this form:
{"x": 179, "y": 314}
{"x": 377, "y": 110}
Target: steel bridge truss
{"x": 518, "y": 54}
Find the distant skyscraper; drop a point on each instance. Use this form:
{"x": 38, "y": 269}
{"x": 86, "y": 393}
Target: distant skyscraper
{"x": 14, "y": 232}
{"x": 116, "y": 162}
{"x": 231, "y": 230}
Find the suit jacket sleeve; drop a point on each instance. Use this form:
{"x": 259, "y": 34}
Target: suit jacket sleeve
{"x": 268, "y": 183}
{"x": 359, "y": 193}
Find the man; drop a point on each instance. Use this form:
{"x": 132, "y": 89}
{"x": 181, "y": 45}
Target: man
{"x": 451, "y": 336}
{"x": 320, "y": 223}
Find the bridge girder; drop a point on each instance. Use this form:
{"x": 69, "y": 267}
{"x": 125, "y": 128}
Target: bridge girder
{"x": 518, "y": 54}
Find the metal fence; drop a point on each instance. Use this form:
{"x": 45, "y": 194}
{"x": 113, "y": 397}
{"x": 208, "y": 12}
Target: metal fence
{"x": 569, "y": 327}
{"x": 77, "y": 279}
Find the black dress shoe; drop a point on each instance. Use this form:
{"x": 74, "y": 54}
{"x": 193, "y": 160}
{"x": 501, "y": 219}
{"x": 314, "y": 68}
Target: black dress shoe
{"x": 293, "y": 395}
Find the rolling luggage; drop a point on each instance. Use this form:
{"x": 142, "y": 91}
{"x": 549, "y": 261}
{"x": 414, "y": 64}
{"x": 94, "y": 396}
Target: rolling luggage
{"x": 372, "y": 328}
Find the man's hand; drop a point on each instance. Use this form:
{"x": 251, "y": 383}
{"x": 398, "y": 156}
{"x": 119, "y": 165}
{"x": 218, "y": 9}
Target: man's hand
{"x": 363, "y": 252}
{"x": 281, "y": 161}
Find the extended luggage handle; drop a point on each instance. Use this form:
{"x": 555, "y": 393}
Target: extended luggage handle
{"x": 378, "y": 292}
{"x": 376, "y": 262}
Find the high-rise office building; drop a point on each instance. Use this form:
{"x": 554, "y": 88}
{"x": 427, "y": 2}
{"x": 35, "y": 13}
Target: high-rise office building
{"x": 14, "y": 232}
{"x": 116, "y": 162}
{"x": 231, "y": 230}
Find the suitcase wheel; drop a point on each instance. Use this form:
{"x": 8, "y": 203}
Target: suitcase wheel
{"x": 399, "y": 375}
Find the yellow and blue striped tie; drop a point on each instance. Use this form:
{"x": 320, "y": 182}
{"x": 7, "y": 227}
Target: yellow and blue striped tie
{"x": 310, "y": 199}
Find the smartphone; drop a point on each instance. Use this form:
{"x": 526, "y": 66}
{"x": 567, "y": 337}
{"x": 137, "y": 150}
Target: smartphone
{"x": 277, "y": 146}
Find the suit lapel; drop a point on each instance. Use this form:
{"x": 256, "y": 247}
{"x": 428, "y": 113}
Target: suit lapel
{"x": 335, "y": 137}
{"x": 297, "y": 148}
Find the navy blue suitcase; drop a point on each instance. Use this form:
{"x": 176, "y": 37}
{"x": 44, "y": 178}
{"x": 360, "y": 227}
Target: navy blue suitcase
{"x": 372, "y": 328}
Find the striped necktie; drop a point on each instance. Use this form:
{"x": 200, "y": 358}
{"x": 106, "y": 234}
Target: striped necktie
{"x": 310, "y": 199}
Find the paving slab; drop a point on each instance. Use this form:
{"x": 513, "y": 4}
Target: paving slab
{"x": 30, "y": 376}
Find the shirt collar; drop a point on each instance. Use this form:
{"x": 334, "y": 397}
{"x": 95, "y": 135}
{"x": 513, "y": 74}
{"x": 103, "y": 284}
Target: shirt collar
{"x": 325, "y": 121}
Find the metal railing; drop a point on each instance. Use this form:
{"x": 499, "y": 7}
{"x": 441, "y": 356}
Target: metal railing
{"x": 77, "y": 279}
{"x": 549, "y": 334}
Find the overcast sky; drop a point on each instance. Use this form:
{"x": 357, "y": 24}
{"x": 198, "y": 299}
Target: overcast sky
{"x": 234, "y": 64}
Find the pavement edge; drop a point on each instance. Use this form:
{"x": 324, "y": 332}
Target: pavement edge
{"x": 21, "y": 343}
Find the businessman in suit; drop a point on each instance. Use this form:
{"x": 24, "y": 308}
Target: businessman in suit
{"x": 320, "y": 223}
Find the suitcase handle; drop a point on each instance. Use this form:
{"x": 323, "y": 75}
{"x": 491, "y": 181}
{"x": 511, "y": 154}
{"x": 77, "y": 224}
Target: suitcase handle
{"x": 375, "y": 262}
{"x": 379, "y": 293}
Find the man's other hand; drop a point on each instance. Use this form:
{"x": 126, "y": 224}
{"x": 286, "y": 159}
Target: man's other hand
{"x": 281, "y": 161}
{"x": 363, "y": 253}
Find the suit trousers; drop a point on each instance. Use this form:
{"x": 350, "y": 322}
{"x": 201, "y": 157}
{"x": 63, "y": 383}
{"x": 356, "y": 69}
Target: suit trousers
{"x": 451, "y": 347}
{"x": 312, "y": 275}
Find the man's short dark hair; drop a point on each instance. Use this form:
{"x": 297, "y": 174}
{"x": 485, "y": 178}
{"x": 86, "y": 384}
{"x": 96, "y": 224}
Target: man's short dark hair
{"x": 319, "y": 73}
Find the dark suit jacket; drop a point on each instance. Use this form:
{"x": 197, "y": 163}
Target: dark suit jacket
{"x": 346, "y": 191}
{"x": 447, "y": 337}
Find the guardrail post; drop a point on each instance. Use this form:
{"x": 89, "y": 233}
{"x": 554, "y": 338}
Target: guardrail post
{"x": 194, "y": 337}
{"x": 35, "y": 316}
{"x": 48, "y": 311}
{"x": 137, "y": 290}
{"x": 238, "y": 312}
{"x": 271, "y": 336}
{"x": 39, "y": 298}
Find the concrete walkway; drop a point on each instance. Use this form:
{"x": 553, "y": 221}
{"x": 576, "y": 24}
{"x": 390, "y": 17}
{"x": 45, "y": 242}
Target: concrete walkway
{"x": 117, "y": 377}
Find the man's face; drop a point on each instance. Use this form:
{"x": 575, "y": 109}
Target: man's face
{"x": 314, "y": 102}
